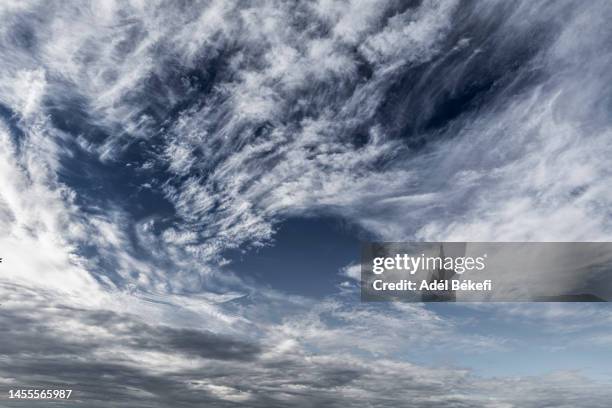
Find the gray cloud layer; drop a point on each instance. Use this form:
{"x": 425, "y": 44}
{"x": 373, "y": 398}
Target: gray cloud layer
{"x": 114, "y": 357}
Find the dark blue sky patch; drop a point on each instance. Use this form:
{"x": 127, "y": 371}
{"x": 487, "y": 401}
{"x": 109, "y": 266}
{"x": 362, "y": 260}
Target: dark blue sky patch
{"x": 479, "y": 64}
{"x": 305, "y": 258}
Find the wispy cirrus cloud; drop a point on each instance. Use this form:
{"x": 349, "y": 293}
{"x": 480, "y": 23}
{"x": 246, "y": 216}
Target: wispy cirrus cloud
{"x": 249, "y": 120}
{"x": 141, "y": 143}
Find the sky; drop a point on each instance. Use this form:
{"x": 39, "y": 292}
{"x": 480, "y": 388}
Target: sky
{"x": 184, "y": 187}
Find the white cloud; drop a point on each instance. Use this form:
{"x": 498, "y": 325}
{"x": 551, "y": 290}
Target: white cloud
{"x": 246, "y": 115}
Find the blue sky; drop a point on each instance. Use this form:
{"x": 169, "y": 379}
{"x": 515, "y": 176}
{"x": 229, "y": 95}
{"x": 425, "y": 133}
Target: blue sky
{"x": 184, "y": 189}
{"x": 306, "y": 256}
